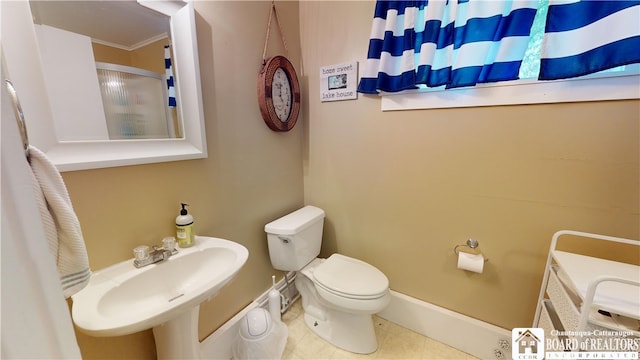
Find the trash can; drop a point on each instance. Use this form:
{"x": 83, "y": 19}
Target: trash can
{"x": 260, "y": 337}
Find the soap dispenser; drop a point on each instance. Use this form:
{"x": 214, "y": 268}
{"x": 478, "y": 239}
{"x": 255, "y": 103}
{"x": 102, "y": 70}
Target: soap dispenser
{"x": 184, "y": 228}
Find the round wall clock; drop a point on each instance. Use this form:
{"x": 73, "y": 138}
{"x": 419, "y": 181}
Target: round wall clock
{"x": 279, "y": 94}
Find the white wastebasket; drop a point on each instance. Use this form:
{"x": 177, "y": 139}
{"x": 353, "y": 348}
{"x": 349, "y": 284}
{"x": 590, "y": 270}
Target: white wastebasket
{"x": 260, "y": 337}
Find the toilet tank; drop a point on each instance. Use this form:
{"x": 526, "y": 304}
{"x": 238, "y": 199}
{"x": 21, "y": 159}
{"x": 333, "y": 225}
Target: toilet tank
{"x": 295, "y": 239}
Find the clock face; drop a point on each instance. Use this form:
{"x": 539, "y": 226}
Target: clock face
{"x": 281, "y": 94}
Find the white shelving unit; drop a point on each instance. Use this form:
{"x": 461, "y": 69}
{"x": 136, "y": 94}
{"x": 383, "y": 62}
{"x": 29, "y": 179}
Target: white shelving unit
{"x": 583, "y": 294}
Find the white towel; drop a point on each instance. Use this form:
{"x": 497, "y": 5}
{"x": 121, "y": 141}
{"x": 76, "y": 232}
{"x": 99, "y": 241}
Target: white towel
{"x": 61, "y": 225}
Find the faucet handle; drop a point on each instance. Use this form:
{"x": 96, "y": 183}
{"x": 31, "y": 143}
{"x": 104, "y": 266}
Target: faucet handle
{"x": 169, "y": 243}
{"x": 141, "y": 252}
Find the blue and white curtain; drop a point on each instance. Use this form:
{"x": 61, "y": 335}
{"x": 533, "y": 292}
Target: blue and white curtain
{"x": 459, "y": 43}
{"x": 583, "y": 37}
{"x": 169, "y": 74}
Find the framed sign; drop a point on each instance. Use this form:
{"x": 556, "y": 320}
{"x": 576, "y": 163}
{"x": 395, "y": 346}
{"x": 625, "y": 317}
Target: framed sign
{"x": 339, "y": 82}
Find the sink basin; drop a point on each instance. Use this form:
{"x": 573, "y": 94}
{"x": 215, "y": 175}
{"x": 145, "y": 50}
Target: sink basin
{"x": 123, "y": 299}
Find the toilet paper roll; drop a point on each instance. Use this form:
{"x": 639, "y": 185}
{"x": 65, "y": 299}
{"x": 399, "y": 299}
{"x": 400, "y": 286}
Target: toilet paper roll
{"x": 470, "y": 262}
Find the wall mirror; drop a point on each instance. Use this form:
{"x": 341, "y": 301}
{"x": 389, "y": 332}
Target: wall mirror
{"x": 106, "y": 83}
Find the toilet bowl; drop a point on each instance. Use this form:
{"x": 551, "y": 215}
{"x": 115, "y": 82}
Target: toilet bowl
{"x": 338, "y": 313}
{"x": 349, "y": 284}
{"x": 339, "y": 294}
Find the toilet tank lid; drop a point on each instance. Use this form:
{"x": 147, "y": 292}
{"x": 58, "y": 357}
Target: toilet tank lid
{"x": 294, "y": 222}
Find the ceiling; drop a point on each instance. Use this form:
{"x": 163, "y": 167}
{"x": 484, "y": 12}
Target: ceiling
{"x": 125, "y": 23}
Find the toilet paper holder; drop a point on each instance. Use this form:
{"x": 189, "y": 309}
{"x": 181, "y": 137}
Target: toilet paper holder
{"x": 471, "y": 244}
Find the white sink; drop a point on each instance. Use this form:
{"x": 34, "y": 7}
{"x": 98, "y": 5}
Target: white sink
{"x": 123, "y": 299}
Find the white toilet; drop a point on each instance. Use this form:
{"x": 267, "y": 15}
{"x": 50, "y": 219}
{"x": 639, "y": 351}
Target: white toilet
{"x": 339, "y": 294}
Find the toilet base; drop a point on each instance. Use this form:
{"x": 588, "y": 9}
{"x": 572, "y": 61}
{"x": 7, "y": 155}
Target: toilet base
{"x": 350, "y": 332}
{"x": 349, "y": 329}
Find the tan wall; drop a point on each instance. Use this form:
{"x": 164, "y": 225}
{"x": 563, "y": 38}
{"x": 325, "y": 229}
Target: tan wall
{"x": 149, "y": 57}
{"x": 401, "y": 189}
{"x": 108, "y": 54}
{"x": 252, "y": 175}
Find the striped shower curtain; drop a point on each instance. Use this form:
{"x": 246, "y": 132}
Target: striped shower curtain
{"x": 169, "y": 73}
{"x": 459, "y": 43}
{"x": 589, "y": 36}
{"x": 451, "y": 43}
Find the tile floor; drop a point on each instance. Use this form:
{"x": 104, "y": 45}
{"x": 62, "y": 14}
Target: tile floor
{"x": 394, "y": 342}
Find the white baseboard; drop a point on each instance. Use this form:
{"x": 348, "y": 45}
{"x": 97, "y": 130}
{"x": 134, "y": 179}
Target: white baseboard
{"x": 464, "y": 333}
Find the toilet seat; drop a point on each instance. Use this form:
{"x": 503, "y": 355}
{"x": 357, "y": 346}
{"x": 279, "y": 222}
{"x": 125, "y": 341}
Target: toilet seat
{"x": 350, "y": 278}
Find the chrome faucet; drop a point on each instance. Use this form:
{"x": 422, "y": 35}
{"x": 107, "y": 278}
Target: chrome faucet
{"x": 143, "y": 257}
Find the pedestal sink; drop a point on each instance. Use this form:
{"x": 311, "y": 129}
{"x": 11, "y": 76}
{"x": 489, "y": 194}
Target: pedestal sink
{"x": 165, "y": 296}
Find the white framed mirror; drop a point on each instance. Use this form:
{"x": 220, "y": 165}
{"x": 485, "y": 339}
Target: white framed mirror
{"x": 70, "y": 153}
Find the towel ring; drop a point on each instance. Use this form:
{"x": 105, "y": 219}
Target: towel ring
{"x": 17, "y": 110}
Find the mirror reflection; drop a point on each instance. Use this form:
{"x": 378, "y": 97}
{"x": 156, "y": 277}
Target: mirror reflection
{"x": 109, "y": 70}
